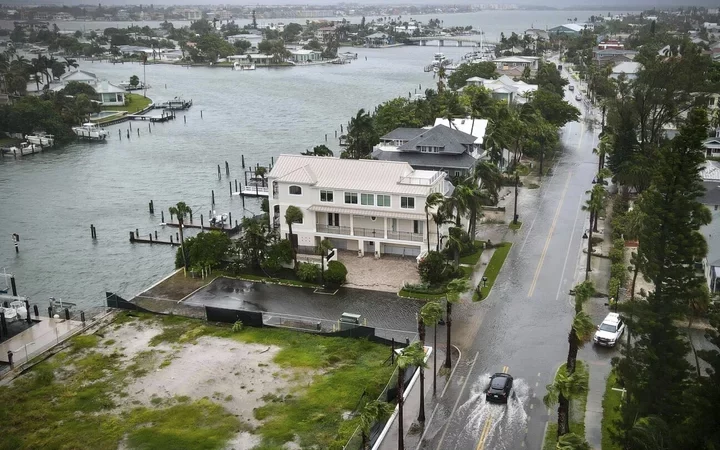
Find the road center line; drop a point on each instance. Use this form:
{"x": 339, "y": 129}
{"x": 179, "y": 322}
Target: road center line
{"x": 452, "y": 413}
{"x": 567, "y": 254}
{"x": 549, "y": 237}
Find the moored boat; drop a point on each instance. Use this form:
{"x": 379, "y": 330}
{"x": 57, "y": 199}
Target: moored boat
{"x": 91, "y": 132}
{"x": 42, "y": 139}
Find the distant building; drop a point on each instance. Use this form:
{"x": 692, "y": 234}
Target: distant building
{"x": 629, "y": 69}
{"x": 505, "y": 88}
{"x": 613, "y": 56}
{"x": 711, "y": 231}
{"x": 378, "y": 40}
{"x": 569, "y": 29}
{"x": 63, "y": 16}
{"x": 110, "y": 95}
{"x": 123, "y": 15}
{"x": 514, "y": 66}
{"x": 537, "y": 34}
{"x": 611, "y": 44}
{"x": 301, "y": 56}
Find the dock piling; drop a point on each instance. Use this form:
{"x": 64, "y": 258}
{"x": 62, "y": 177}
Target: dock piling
{"x": 128, "y": 134}
{"x": 230, "y": 218}
{"x": 156, "y": 235}
{"x": 236, "y": 186}
{"x": 152, "y": 207}
{"x": 119, "y": 134}
{"x": 171, "y": 239}
{"x": 213, "y": 197}
{"x": 243, "y": 200}
{"x": 272, "y": 161}
{"x": 177, "y": 236}
{"x": 137, "y": 233}
{"x": 242, "y": 159}
{"x": 230, "y": 188}
{"x": 138, "y": 130}
{"x": 162, "y": 216}
{"x": 201, "y": 114}
{"x": 130, "y": 125}
{"x": 185, "y": 118}
{"x": 325, "y": 137}
{"x": 335, "y": 134}
{"x": 202, "y": 223}
{"x": 149, "y": 129}
{"x": 132, "y": 236}
{"x": 93, "y": 232}
{"x": 13, "y": 286}
{"x": 191, "y": 220}
{"x": 36, "y": 311}
{"x": 150, "y": 237}
{"x": 219, "y": 175}
{"x": 341, "y": 128}
{"x": 227, "y": 169}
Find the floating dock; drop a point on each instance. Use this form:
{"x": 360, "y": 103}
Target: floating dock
{"x": 160, "y": 118}
{"x": 253, "y": 191}
{"x": 150, "y": 240}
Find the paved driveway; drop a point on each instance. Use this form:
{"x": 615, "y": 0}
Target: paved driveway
{"x": 387, "y": 274}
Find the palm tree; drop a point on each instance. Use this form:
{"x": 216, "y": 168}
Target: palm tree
{"x": 649, "y": 433}
{"x": 594, "y": 205}
{"x": 495, "y": 141}
{"x": 361, "y": 135}
{"x": 430, "y": 313}
{"x": 572, "y": 441}
{"x": 456, "y": 244}
{"x": 440, "y": 217}
{"x": 432, "y": 201}
{"x": 561, "y": 391}
{"x": 456, "y": 205}
{"x": 452, "y": 295}
{"x": 322, "y": 249}
{"x": 412, "y": 356}
{"x": 373, "y": 411}
{"x": 181, "y": 210}
{"x": 581, "y": 332}
{"x": 603, "y": 149}
{"x": 293, "y": 214}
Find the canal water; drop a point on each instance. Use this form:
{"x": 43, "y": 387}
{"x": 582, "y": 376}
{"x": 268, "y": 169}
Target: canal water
{"x": 51, "y": 199}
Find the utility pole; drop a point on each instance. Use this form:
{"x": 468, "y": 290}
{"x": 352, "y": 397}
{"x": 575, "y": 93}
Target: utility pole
{"x": 515, "y": 214}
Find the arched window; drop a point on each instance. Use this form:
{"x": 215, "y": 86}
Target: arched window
{"x": 295, "y": 190}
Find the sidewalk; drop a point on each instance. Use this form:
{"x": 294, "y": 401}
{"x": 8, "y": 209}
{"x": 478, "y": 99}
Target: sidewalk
{"x": 598, "y": 362}
{"x": 413, "y": 430}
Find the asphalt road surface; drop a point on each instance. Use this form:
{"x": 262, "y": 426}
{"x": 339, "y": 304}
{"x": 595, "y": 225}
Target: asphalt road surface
{"x": 526, "y": 319}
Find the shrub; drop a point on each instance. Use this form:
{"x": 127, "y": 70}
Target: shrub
{"x": 308, "y": 272}
{"x": 619, "y": 272}
{"x": 278, "y": 254}
{"x": 237, "y": 326}
{"x": 336, "y": 273}
{"x": 423, "y": 288}
{"x": 617, "y": 253}
{"x": 433, "y": 268}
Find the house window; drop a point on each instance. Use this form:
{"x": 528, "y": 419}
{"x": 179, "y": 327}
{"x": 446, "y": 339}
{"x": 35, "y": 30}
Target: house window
{"x": 407, "y": 202}
{"x": 416, "y": 226}
{"x": 295, "y": 190}
{"x": 334, "y": 219}
{"x": 326, "y": 196}
{"x": 367, "y": 199}
{"x": 383, "y": 200}
{"x": 351, "y": 198}
{"x": 457, "y": 173}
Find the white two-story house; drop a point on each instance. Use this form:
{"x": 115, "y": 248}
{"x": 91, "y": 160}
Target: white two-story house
{"x": 368, "y": 206}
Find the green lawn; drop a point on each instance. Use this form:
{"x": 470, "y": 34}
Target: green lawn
{"x": 493, "y": 268}
{"x": 296, "y": 283}
{"x": 473, "y": 258}
{"x": 515, "y": 226}
{"x": 611, "y": 412}
{"x": 419, "y": 295}
{"x": 577, "y": 415}
{"x": 73, "y": 397}
{"x": 135, "y": 103}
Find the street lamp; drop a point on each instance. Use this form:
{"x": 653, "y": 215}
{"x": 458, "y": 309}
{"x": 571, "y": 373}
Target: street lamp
{"x": 484, "y": 280}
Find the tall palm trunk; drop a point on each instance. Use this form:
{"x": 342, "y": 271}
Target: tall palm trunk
{"x": 292, "y": 244}
{"x": 572, "y": 352}
{"x": 437, "y": 244}
{"x": 589, "y": 249}
{"x": 421, "y": 332}
{"x": 435, "y": 359}
{"x": 448, "y": 323}
{"x": 427, "y": 230}
{"x": 182, "y": 241}
{"x": 401, "y": 404}
{"x": 563, "y": 415}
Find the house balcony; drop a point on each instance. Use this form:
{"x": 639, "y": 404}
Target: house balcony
{"x": 331, "y": 229}
{"x": 370, "y": 233}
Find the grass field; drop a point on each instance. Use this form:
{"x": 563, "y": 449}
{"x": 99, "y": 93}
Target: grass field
{"x": 135, "y": 103}
{"x": 80, "y": 398}
{"x": 473, "y": 258}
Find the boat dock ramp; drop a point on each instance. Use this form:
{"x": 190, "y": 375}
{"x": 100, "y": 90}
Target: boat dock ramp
{"x": 155, "y": 119}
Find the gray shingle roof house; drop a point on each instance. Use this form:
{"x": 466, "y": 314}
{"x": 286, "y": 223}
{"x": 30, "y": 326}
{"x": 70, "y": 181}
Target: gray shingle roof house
{"x": 436, "y": 148}
{"x": 711, "y": 264}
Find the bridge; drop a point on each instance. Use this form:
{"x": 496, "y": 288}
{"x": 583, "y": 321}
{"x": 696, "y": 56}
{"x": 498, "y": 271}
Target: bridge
{"x": 423, "y": 40}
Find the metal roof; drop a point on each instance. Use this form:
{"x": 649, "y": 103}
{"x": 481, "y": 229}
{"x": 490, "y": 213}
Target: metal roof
{"x": 437, "y": 161}
{"x": 452, "y": 141}
{"x": 354, "y": 174}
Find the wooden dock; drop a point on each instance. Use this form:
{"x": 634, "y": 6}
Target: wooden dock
{"x": 155, "y": 119}
{"x": 228, "y": 227}
{"x": 253, "y": 191}
{"x": 150, "y": 240}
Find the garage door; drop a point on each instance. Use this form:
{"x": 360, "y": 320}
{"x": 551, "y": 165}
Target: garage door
{"x": 340, "y": 244}
{"x": 401, "y": 250}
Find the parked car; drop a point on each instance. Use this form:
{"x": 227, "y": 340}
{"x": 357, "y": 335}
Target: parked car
{"x": 609, "y": 331}
{"x": 500, "y": 388}
{"x": 571, "y": 87}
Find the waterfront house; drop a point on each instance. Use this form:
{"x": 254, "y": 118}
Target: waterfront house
{"x": 378, "y": 40}
{"x": 712, "y": 147}
{"x": 505, "y": 88}
{"x": 570, "y": 29}
{"x": 537, "y": 34}
{"x": 260, "y": 59}
{"x": 110, "y": 95}
{"x": 81, "y": 76}
{"x": 629, "y": 69}
{"x": 301, "y": 56}
{"x": 608, "y": 56}
{"x": 514, "y": 66}
{"x": 440, "y": 147}
{"x": 365, "y": 206}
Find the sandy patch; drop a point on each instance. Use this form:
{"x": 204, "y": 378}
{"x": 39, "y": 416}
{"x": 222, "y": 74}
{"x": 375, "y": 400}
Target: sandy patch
{"x": 236, "y": 375}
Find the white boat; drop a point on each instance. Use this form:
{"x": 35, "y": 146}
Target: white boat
{"x": 218, "y": 220}
{"x": 129, "y": 87}
{"x": 238, "y": 66}
{"x": 91, "y": 132}
{"x": 42, "y": 139}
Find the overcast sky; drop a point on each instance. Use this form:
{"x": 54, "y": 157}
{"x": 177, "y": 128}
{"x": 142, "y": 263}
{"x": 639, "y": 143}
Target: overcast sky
{"x": 554, "y": 3}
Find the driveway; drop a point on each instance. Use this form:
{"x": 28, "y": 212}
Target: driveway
{"x": 387, "y": 274}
